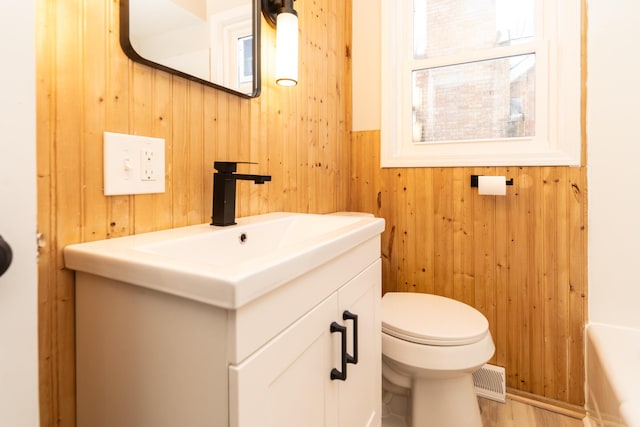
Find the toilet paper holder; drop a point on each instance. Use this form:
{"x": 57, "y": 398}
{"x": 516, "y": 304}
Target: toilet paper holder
{"x": 474, "y": 181}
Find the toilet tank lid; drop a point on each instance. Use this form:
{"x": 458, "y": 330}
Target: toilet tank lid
{"x": 431, "y": 319}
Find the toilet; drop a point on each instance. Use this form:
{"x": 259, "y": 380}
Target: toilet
{"x": 431, "y": 345}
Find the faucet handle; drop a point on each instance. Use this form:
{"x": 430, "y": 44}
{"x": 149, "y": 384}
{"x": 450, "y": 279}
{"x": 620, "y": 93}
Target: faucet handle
{"x": 229, "y": 167}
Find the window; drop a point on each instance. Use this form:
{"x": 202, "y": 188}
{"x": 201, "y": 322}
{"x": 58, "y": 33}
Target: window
{"x": 245, "y": 59}
{"x": 480, "y": 82}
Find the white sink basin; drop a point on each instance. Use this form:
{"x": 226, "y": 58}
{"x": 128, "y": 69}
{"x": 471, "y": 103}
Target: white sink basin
{"x": 225, "y": 266}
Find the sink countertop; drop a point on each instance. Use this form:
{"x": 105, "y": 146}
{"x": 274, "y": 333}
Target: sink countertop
{"x": 225, "y": 266}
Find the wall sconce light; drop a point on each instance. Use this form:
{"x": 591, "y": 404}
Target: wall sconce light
{"x": 281, "y": 15}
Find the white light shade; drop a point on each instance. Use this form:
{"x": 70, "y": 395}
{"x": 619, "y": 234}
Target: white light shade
{"x": 287, "y": 49}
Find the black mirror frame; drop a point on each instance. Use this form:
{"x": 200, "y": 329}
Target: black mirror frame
{"x": 125, "y": 43}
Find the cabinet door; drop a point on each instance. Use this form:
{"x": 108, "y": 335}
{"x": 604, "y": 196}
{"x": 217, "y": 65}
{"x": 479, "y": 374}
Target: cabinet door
{"x": 287, "y": 382}
{"x": 359, "y": 401}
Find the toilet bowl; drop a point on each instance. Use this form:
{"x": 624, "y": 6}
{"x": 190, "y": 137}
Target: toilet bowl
{"x": 431, "y": 345}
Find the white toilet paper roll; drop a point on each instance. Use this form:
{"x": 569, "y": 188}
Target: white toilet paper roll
{"x": 492, "y": 185}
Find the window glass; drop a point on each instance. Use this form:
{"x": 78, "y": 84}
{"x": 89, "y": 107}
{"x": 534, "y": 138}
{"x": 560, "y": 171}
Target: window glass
{"x": 480, "y": 83}
{"x": 448, "y": 27}
{"x": 491, "y": 99}
{"x": 245, "y": 59}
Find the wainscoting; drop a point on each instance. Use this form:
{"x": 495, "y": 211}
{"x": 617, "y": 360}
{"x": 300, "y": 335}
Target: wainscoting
{"x": 86, "y": 85}
{"x": 521, "y": 259}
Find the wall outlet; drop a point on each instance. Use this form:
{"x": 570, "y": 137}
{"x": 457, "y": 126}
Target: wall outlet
{"x": 133, "y": 164}
{"x": 148, "y": 166}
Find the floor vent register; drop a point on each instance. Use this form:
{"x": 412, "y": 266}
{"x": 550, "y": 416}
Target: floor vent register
{"x": 490, "y": 383}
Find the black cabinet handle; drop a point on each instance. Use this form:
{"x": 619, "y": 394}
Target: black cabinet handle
{"x": 336, "y": 374}
{"x": 5, "y": 256}
{"x": 347, "y": 315}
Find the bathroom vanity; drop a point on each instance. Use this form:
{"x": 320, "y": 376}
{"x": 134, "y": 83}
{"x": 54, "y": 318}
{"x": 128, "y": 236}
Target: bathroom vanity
{"x": 250, "y": 325}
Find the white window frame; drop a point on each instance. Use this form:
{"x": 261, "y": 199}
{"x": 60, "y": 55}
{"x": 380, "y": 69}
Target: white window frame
{"x": 226, "y": 28}
{"x": 557, "y": 139}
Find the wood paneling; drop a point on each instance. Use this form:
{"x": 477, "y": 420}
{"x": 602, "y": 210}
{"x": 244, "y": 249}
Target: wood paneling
{"x": 521, "y": 259}
{"x": 86, "y": 85}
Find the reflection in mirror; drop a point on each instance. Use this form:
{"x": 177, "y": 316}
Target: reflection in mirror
{"x": 215, "y": 42}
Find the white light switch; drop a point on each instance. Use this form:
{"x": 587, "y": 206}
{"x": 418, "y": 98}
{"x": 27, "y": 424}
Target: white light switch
{"x": 133, "y": 164}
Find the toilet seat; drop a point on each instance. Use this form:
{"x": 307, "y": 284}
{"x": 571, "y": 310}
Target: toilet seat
{"x": 431, "y": 319}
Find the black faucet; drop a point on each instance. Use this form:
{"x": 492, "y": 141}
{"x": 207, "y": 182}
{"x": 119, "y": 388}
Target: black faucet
{"x": 224, "y": 191}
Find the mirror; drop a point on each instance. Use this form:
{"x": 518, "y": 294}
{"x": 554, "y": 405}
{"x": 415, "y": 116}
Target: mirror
{"x": 215, "y": 42}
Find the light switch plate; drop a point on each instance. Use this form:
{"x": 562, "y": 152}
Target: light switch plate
{"x": 133, "y": 164}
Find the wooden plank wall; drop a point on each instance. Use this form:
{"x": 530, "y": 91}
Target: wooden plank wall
{"x": 521, "y": 259}
{"x": 86, "y": 86}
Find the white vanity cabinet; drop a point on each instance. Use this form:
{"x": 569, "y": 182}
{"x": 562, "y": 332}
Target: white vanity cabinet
{"x": 288, "y": 382}
{"x": 156, "y": 346}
